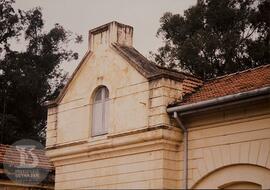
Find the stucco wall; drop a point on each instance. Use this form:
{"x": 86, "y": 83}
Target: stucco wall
{"x": 141, "y": 149}
{"x": 140, "y": 159}
{"x": 135, "y": 102}
{"x": 162, "y": 92}
{"x": 129, "y": 99}
{"x": 148, "y": 152}
{"x": 237, "y": 135}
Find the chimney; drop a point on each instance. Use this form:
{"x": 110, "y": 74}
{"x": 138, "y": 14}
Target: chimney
{"x": 113, "y": 32}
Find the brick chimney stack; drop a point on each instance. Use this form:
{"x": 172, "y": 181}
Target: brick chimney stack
{"x": 113, "y": 32}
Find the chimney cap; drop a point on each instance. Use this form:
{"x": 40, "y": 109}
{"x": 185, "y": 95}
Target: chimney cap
{"x": 112, "y": 32}
{"x": 104, "y": 26}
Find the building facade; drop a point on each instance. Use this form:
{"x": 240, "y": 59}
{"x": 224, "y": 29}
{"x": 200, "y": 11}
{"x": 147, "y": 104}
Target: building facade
{"x": 123, "y": 122}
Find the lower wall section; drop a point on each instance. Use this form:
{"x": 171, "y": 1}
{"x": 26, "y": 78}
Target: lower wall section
{"x": 148, "y": 166}
{"x": 220, "y": 149}
{"x": 228, "y": 145}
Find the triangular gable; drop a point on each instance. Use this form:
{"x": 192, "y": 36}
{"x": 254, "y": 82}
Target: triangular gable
{"x": 64, "y": 90}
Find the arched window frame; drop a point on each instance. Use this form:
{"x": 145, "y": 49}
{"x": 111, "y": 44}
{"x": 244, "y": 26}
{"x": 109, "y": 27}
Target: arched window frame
{"x": 100, "y": 112}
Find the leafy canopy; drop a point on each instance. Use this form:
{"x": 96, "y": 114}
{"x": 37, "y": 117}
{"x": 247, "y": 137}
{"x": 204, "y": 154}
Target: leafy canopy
{"x": 29, "y": 77}
{"x": 216, "y": 37}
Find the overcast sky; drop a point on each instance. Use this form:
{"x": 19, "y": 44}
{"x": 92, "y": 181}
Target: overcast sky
{"x": 79, "y": 16}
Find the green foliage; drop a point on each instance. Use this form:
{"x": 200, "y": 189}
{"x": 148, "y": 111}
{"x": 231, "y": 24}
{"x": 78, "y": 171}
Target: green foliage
{"x": 9, "y": 23}
{"x": 216, "y": 37}
{"x": 29, "y": 78}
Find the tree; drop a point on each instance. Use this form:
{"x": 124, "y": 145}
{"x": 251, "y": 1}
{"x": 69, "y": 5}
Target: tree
{"x": 9, "y": 22}
{"x": 216, "y": 37}
{"x": 30, "y": 77}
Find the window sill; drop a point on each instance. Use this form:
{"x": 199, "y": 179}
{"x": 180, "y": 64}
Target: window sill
{"x": 98, "y": 137}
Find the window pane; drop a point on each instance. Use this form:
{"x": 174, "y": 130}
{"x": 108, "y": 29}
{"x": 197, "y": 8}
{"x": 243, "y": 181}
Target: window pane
{"x": 106, "y": 116}
{"x": 106, "y": 93}
{"x": 98, "y": 95}
{"x": 97, "y": 119}
{"x": 100, "y": 112}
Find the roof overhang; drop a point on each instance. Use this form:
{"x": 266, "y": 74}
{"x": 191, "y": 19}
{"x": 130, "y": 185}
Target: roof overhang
{"x": 221, "y": 101}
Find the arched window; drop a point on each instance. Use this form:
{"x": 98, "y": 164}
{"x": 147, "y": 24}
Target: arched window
{"x": 100, "y": 119}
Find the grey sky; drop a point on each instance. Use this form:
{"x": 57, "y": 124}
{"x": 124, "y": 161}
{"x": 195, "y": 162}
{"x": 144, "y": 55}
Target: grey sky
{"x": 79, "y": 16}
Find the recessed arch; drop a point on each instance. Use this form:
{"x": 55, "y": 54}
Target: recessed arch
{"x": 235, "y": 175}
{"x": 100, "y": 111}
{"x": 240, "y": 185}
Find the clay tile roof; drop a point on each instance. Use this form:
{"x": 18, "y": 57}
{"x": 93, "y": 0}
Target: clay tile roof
{"x": 148, "y": 68}
{"x": 230, "y": 84}
{"x": 10, "y": 155}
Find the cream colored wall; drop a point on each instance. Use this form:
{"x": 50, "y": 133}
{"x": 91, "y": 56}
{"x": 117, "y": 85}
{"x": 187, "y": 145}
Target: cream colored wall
{"x": 134, "y": 101}
{"x": 238, "y": 135}
{"x": 129, "y": 95}
{"x": 141, "y": 149}
{"x": 152, "y": 157}
{"x": 138, "y": 159}
{"x": 239, "y": 176}
{"x": 162, "y": 92}
{"x": 51, "y": 127}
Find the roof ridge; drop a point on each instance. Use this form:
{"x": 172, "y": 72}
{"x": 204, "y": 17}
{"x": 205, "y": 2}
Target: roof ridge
{"x": 238, "y": 72}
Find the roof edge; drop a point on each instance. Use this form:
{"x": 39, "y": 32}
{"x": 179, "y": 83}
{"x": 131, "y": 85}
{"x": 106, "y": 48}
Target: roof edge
{"x": 238, "y": 72}
{"x": 126, "y": 57}
{"x": 54, "y": 102}
{"x": 161, "y": 73}
{"x": 220, "y": 100}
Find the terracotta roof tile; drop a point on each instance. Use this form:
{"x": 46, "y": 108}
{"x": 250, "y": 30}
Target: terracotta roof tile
{"x": 9, "y": 155}
{"x": 230, "y": 84}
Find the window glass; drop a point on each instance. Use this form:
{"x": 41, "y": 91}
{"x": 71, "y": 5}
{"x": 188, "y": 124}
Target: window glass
{"x": 100, "y": 121}
{"x": 98, "y": 95}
